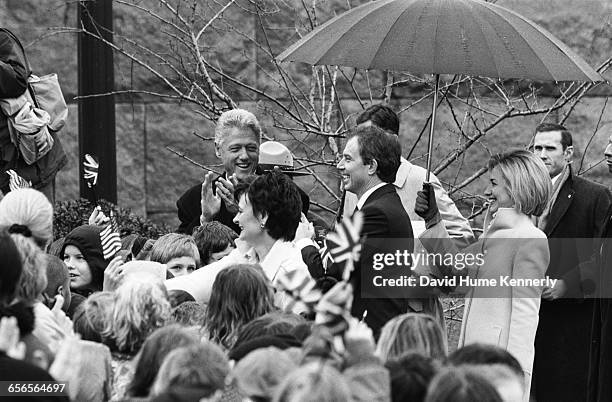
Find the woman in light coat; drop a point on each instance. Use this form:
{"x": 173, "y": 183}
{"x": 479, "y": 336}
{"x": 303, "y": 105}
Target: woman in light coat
{"x": 512, "y": 247}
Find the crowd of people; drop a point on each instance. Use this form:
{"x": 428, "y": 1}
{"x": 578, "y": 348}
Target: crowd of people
{"x": 225, "y": 308}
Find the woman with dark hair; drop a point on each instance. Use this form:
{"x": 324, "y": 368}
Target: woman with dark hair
{"x": 240, "y": 294}
{"x": 154, "y": 351}
{"x": 269, "y": 212}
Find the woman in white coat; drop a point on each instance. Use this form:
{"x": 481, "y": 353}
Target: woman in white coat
{"x": 498, "y": 311}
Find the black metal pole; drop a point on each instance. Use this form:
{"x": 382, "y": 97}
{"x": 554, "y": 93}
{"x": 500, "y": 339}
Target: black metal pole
{"x": 97, "y": 114}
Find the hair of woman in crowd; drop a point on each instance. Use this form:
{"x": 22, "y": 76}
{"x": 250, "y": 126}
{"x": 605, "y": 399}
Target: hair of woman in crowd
{"x": 11, "y": 268}
{"x": 274, "y": 197}
{"x": 189, "y": 313}
{"x": 410, "y": 375}
{"x": 412, "y": 332}
{"x": 92, "y": 318}
{"x": 202, "y": 367}
{"x": 461, "y": 384}
{"x": 140, "y": 308}
{"x": 259, "y": 373}
{"x": 525, "y": 178}
{"x": 240, "y": 294}
{"x": 33, "y": 281}
{"x": 178, "y": 251}
{"x": 155, "y": 348}
{"x": 313, "y": 382}
{"x": 31, "y": 209}
{"x": 485, "y": 354}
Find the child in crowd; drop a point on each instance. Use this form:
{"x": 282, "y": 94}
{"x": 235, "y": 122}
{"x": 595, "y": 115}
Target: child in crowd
{"x": 214, "y": 241}
{"x": 58, "y": 282}
{"x": 178, "y": 251}
{"x": 82, "y": 254}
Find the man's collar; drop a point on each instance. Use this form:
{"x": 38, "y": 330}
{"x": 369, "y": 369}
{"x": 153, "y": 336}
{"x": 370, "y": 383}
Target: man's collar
{"x": 365, "y": 195}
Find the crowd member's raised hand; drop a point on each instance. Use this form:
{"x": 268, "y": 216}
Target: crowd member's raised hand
{"x": 113, "y": 274}
{"x": 358, "y": 341}
{"x": 210, "y": 202}
{"x": 9, "y": 338}
{"x": 98, "y": 217}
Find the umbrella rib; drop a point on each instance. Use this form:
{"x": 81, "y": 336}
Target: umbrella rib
{"x": 377, "y": 55}
{"x": 570, "y": 54}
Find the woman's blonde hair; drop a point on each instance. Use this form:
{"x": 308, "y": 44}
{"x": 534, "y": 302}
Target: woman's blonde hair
{"x": 29, "y": 207}
{"x": 33, "y": 279}
{"x": 526, "y": 179}
{"x": 314, "y": 381}
{"x": 411, "y": 332}
{"x": 141, "y": 306}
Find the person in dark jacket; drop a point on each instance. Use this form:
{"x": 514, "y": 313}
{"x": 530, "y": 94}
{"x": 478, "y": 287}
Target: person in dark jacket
{"x": 369, "y": 164}
{"x": 573, "y": 222}
{"x": 600, "y": 362}
{"x": 13, "y": 83}
{"x": 237, "y": 138}
{"x": 82, "y": 253}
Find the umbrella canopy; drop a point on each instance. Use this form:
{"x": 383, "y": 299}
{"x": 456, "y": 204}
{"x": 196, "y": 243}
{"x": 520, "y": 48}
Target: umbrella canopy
{"x": 470, "y": 37}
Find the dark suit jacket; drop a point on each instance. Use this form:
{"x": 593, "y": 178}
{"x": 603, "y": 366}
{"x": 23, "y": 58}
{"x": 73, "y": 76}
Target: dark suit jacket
{"x": 600, "y": 364}
{"x": 384, "y": 218}
{"x": 574, "y": 228}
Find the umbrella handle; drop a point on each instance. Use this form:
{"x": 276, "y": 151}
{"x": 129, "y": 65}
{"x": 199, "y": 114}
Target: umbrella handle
{"x": 431, "y": 127}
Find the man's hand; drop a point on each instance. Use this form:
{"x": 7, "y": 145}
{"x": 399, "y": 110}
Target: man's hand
{"x": 225, "y": 190}
{"x": 210, "y": 203}
{"x": 426, "y": 206}
{"x": 556, "y": 291}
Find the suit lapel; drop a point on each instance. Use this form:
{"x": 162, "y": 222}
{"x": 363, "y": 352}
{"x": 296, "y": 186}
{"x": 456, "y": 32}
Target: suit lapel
{"x": 564, "y": 200}
{"x": 379, "y": 192}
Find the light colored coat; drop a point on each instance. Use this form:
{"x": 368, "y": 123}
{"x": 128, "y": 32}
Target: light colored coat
{"x": 505, "y": 316}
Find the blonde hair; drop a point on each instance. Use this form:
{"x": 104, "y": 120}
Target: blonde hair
{"x": 33, "y": 279}
{"x": 411, "y": 332}
{"x": 236, "y": 118}
{"x": 174, "y": 245}
{"x": 526, "y": 180}
{"x": 29, "y": 207}
{"x": 315, "y": 381}
{"x": 140, "y": 308}
{"x": 201, "y": 365}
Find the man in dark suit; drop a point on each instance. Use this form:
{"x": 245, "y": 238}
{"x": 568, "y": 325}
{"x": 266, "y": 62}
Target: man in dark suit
{"x": 600, "y": 367}
{"x": 237, "y": 137}
{"x": 573, "y": 221}
{"x": 368, "y": 167}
